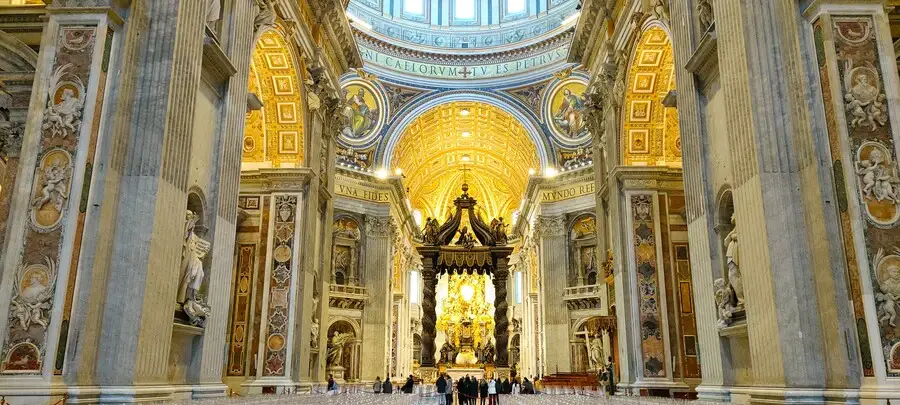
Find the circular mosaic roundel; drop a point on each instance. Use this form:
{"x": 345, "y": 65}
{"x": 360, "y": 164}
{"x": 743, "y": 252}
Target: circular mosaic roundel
{"x": 364, "y": 112}
{"x": 564, "y": 111}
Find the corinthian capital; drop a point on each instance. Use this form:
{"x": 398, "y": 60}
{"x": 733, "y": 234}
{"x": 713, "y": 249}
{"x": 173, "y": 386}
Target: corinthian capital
{"x": 550, "y": 226}
{"x": 379, "y": 226}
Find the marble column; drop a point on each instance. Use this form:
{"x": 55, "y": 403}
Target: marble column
{"x": 377, "y": 278}
{"x": 553, "y": 254}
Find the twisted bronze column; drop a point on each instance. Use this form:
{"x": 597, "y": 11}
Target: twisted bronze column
{"x": 501, "y": 321}
{"x": 429, "y": 317}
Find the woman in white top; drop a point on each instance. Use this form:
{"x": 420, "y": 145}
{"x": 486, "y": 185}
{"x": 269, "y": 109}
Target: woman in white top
{"x": 516, "y": 388}
{"x": 493, "y": 399}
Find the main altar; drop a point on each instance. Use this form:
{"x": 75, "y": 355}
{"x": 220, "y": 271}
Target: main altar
{"x": 476, "y": 333}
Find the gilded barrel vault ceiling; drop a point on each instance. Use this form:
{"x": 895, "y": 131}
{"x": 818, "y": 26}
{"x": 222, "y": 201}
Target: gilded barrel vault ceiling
{"x": 650, "y": 129}
{"x": 274, "y": 134}
{"x": 478, "y": 141}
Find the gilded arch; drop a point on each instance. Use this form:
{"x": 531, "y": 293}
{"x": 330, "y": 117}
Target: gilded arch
{"x": 650, "y": 133}
{"x": 274, "y": 134}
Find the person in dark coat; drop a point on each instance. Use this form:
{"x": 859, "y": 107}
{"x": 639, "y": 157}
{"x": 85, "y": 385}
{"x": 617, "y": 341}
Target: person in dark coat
{"x": 462, "y": 389}
{"x": 483, "y": 391}
{"x": 507, "y": 388}
{"x": 441, "y": 385}
{"x": 408, "y": 387}
{"x": 387, "y": 387}
{"x": 473, "y": 391}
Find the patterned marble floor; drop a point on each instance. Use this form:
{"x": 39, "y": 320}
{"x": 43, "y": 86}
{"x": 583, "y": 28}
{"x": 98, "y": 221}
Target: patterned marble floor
{"x": 360, "y": 398}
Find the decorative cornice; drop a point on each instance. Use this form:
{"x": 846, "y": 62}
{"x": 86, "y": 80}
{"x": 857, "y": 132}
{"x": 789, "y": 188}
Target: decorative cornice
{"x": 276, "y": 179}
{"x": 399, "y": 51}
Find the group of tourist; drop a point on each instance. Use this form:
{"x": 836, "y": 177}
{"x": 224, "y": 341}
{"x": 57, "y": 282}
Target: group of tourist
{"x": 469, "y": 390}
{"x": 386, "y": 387}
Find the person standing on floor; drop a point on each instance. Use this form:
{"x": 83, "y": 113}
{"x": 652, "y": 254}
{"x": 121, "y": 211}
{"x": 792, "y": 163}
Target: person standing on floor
{"x": 483, "y": 391}
{"x": 387, "y": 387}
{"x": 441, "y": 385}
{"x": 449, "y": 390}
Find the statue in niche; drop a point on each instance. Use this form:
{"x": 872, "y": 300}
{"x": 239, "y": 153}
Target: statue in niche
{"x": 430, "y": 233}
{"x": 213, "y": 11}
{"x": 447, "y": 353}
{"x": 488, "y": 353}
{"x": 498, "y": 229}
{"x": 734, "y": 269}
{"x": 336, "y": 347}
{"x": 596, "y": 352}
{"x": 314, "y": 333}
{"x": 266, "y": 17}
{"x": 725, "y": 302}
{"x": 193, "y": 251}
{"x": 466, "y": 239}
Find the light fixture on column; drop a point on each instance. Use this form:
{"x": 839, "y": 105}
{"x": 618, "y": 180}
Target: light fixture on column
{"x": 464, "y": 112}
{"x": 466, "y": 134}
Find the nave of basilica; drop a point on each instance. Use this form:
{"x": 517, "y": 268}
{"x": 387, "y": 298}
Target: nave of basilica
{"x": 684, "y": 199}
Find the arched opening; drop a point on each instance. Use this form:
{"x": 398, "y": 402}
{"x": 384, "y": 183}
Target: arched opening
{"x": 345, "y": 251}
{"x": 343, "y": 352}
{"x": 650, "y": 134}
{"x": 274, "y": 130}
{"x": 474, "y": 142}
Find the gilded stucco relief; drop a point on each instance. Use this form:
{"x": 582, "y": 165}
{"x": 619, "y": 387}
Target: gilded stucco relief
{"x": 650, "y": 129}
{"x": 275, "y": 132}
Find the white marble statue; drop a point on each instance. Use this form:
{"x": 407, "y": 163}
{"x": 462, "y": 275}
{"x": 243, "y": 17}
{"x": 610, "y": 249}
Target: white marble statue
{"x": 887, "y": 308}
{"x": 213, "y": 11}
{"x": 193, "y": 251}
{"x": 724, "y": 302}
{"x": 55, "y": 180}
{"x": 266, "y": 17}
{"x": 314, "y": 334}
{"x": 62, "y": 116}
{"x": 734, "y": 269}
{"x": 596, "y": 352}
{"x": 32, "y": 291}
{"x": 336, "y": 347}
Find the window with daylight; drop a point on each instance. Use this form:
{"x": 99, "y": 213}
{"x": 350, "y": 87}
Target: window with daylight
{"x": 515, "y": 6}
{"x": 414, "y": 7}
{"x": 518, "y": 287}
{"x": 414, "y": 287}
{"x": 465, "y": 10}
